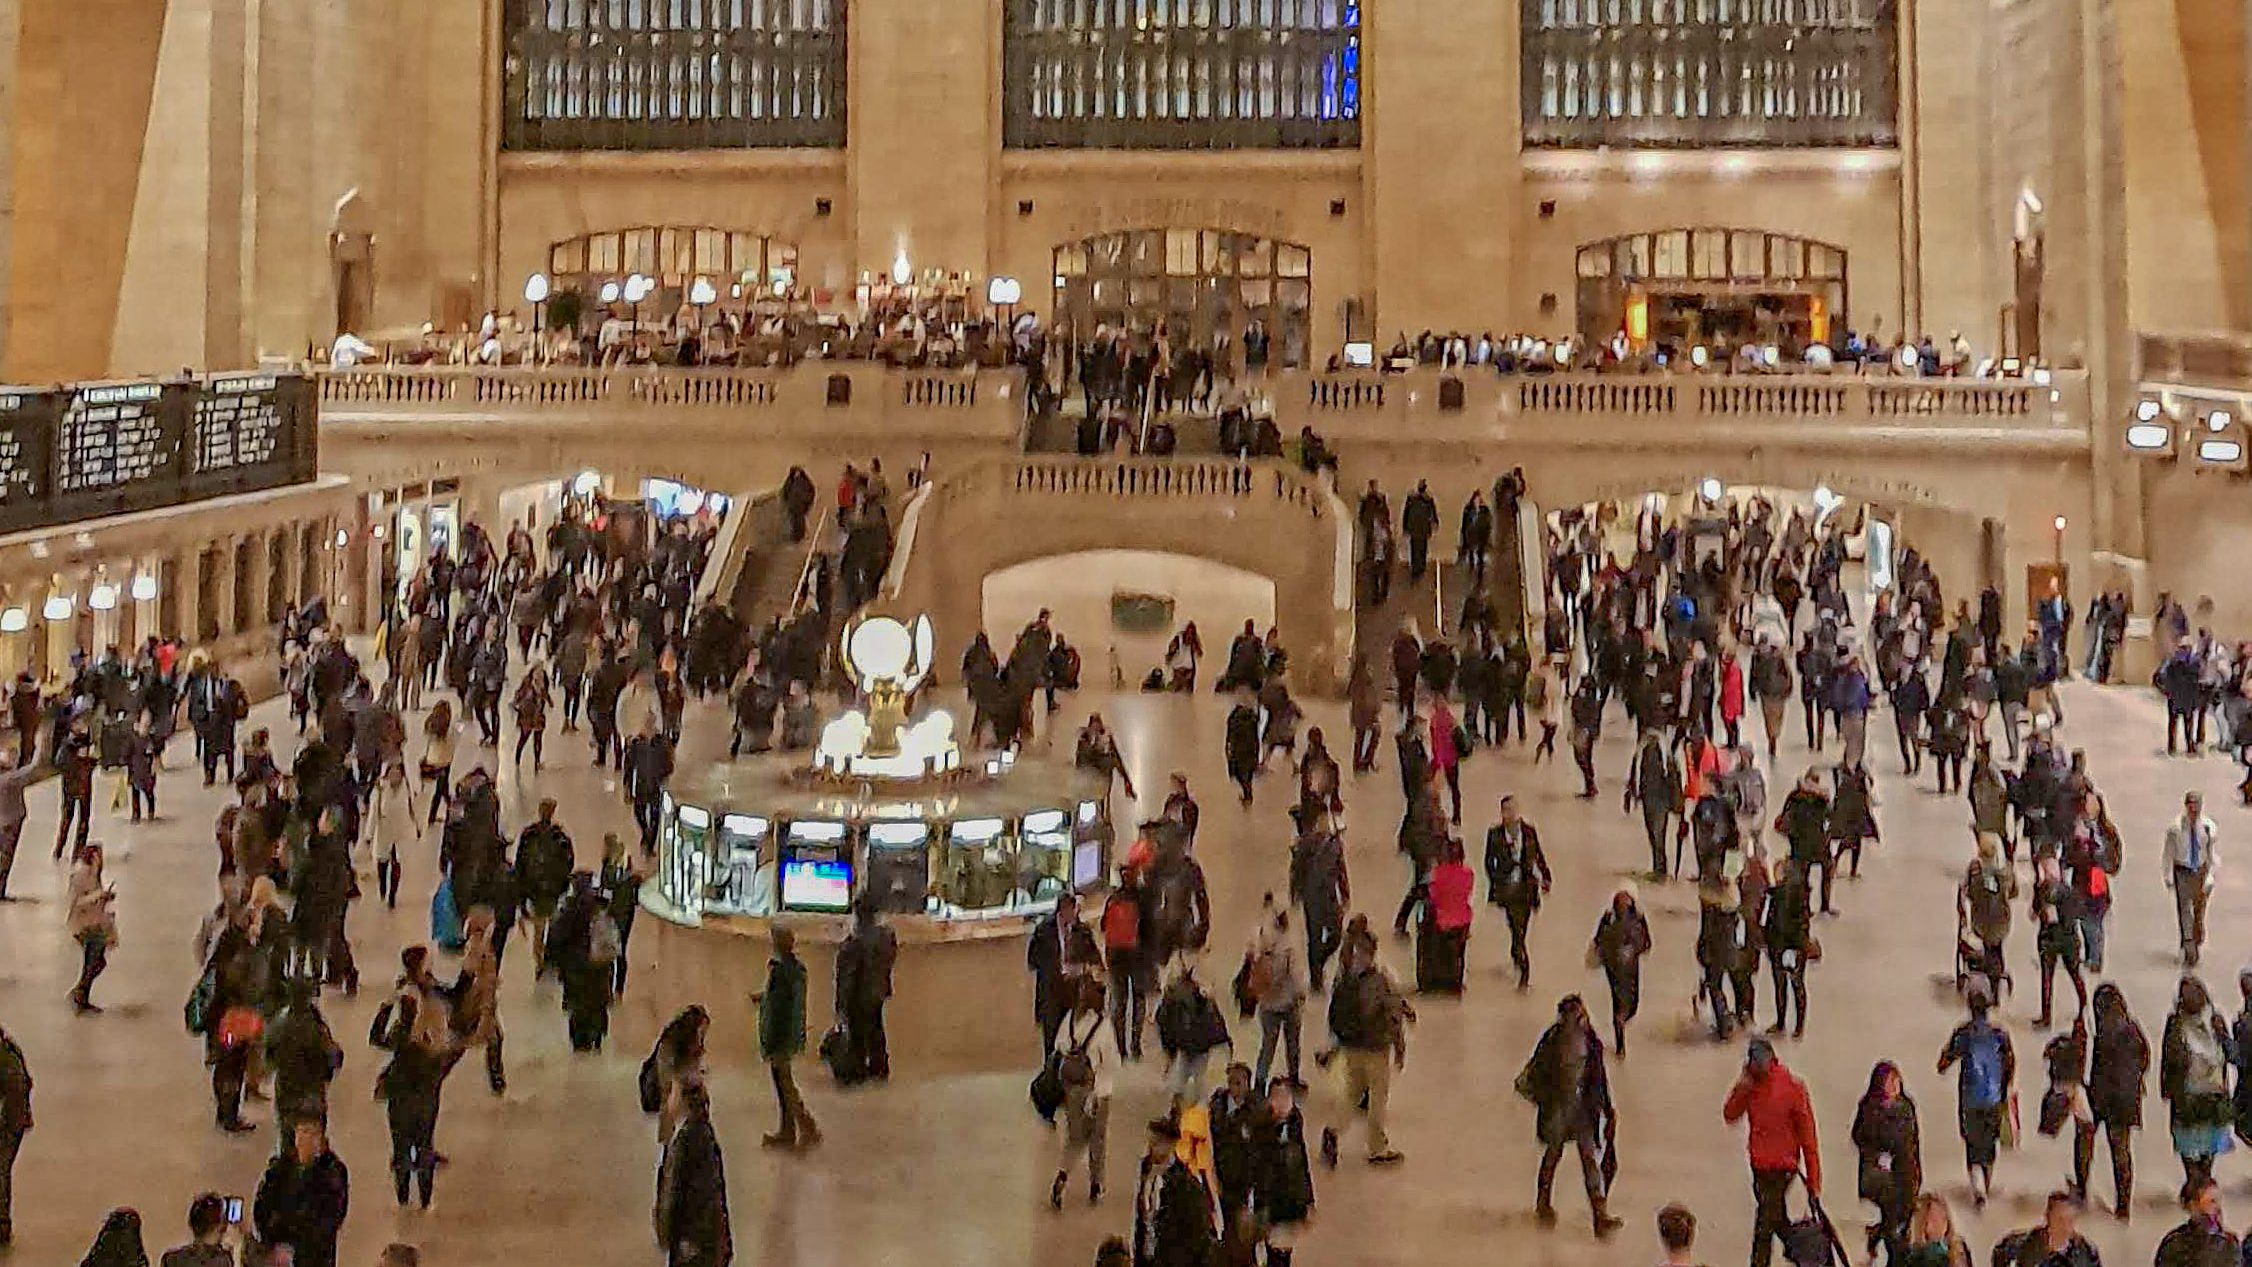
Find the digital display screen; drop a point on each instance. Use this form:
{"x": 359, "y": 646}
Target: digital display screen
{"x": 27, "y": 429}
{"x": 812, "y": 884}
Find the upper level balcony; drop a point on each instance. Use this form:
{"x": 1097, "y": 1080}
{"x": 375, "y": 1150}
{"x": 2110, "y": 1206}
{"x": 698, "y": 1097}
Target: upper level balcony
{"x": 847, "y": 400}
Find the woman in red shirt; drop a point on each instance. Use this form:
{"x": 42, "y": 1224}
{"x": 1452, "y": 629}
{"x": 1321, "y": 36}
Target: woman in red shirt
{"x": 1443, "y": 937}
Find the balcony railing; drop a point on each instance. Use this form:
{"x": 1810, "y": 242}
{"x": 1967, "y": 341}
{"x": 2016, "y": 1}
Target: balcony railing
{"x": 982, "y": 404}
{"x": 2221, "y": 358}
{"x": 1362, "y": 406}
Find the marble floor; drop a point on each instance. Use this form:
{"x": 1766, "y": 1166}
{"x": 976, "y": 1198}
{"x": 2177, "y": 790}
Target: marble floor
{"x": 946, "y": 1165}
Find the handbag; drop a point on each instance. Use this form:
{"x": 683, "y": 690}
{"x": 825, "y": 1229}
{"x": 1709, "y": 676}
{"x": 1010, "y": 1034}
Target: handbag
{"x": 240, "y": 1026}
{"x": 2011, "y": 1128}
{"x": 197, "y": 1013}
{"x": 445, "y": 918}
{"x": 1046, "y": 1091}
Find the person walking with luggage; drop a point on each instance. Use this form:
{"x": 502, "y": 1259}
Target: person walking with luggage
{"x": 864, "y": 967}
{"x": 1570, "y": 1093}
{"x": 1780, "y": 1141}
{"x": 1984, "y": 1102}
{"x": 781, "y": 1037}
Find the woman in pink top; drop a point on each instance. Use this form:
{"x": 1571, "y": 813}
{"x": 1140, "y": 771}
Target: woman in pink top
{"x": 1446, "y": 758}
{"x": 1443, "y": 937}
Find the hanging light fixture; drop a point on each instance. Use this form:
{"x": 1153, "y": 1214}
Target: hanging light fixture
{"x": 144, "y": 587}
{"x": 103, "y": 597}
{"x": 14, "y": 620}
{"x": 57, "y": 607}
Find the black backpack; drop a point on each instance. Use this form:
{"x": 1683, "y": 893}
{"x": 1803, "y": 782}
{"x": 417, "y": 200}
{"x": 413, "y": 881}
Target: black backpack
{"x": 1359, "y": 1014}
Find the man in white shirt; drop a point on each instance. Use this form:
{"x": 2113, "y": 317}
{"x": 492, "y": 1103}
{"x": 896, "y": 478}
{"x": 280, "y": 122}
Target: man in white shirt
{"x": 2191, "y": 861}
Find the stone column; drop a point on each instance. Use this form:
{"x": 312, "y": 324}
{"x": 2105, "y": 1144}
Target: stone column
{"x": 224, "y": 588}
{"x": 939, "y": 66}
{"x": 1440, "y": 164}
{"x": 11, "y": 24}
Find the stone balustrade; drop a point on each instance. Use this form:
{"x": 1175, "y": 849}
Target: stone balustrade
{"x": 1430, "y": 403}
{"x": 824, "y": 396}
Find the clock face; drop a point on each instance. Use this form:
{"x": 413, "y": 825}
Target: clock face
{"x": 881, "y": 648}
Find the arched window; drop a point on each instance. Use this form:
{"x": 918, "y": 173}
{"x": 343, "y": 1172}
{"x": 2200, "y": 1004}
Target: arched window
{"x": 1183, "y": 74}
{"x": 1687, "y": 74}
{"x": 673, "y": 74}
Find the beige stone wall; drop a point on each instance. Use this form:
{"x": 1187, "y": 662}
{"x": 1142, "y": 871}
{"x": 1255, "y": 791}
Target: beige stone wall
{"x": 2183, "y": 102}
{"x": 1850, "y": 200}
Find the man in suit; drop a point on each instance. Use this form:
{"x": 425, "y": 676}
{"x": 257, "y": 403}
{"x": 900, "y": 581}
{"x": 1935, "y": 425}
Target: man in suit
{"x": 1060, "y": 950}
{"x": 1516, "y": 877}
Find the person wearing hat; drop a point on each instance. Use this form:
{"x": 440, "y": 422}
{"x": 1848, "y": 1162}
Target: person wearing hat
{"x": 1172, "y": 1210}
{"x": 1780, "y": 1141}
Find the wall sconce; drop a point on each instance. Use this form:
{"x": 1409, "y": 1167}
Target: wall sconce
{"x": 1004, "y": 292}
{"x": 2152, "y": 433}
{"x": 103, "y": 597}
{"x": 57, "y": 607}
{"x": 2220, "y": 442}
{"x": 144, "y": 588}
{"x": 14, "y": 620}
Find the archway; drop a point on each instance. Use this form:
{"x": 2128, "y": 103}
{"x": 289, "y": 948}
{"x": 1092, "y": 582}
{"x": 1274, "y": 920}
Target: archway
{"x": 1129, "y": 602}
{"x": 1244, "y": 296}
{"x": 351, "y": 253}
{"x": 1712, "y": 286}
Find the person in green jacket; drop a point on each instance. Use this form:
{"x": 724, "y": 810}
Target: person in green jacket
{"x": 781, "y": 1036}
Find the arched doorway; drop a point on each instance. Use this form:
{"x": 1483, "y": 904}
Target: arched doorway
{"x": 1716, "y": 287}
{"x": 1214, "y": 288}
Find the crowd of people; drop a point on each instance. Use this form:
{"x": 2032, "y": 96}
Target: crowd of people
{"x": 1675, "y": 627}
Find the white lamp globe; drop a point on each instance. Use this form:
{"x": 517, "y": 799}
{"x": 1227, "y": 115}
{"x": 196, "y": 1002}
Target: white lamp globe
{"x": 881, "y": 648}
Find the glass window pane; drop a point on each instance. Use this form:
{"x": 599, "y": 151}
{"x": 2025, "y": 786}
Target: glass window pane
{"x": 1671, "y": 254}
{"x": 1293, "y": 261}
{"x": 1180, "y": 252}
{"x": 1747, "y": 254}
{"x": 1708, "y": 250}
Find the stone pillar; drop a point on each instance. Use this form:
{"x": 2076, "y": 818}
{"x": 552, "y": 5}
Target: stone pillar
{"x": 11, "y": 25}
{"x": 938, "y": 65}
{"x": 187, "y": 569}
{"x": 1440, "y": 126}
{"x": 223, "y": 591}
{"x": 1955, "y": 265}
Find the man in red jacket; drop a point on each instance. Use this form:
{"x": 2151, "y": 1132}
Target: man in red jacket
{"x": 1779, "y": 1138}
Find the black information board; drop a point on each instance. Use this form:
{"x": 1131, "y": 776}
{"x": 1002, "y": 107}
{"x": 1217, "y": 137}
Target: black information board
{"x": 27, "y": 430}
{"x": 73, "y": 453}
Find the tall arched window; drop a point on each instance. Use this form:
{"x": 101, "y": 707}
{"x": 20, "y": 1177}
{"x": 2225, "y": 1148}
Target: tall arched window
{"x": 673, "y": 74}
{"x": 1686, "y": 74}
{"x": 1183, "y": 74}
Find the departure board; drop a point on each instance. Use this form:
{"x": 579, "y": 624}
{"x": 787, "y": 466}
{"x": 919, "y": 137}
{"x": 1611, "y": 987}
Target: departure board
{"x": 27, "y": 426}
{"x": 79, "y": 452}
{"x": 237, "y": 423}
{"x": 114, "y": 435}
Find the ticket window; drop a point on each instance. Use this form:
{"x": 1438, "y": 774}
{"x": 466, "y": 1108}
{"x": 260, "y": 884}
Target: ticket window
{"x": 1090, "y": 849}
{"x": 981, "y": 866}
{"x": 746, "y": 851}
{"x": 814, "y": 869}
{"x": 1045, "y": 858}
{"x": 897, "y": 875}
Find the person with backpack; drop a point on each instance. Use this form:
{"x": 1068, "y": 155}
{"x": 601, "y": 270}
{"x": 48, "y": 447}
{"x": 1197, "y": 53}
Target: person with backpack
{"x": 864, "y": 968}
{"x": 1985, "y": 1104}
{"x": 1123, "y": 928}
{"x": 1190, "y": 1027}
{"x": 1982, "y": 907}
{"x": 414, "y": 1026}
{"x": 1085, "y": 1056}
{"x": 1368, "y": 1017}
{"x": 1780, "y": 1141}
{"x": 544, "y": 860}
{"x": 2193, "y": 1079}
{"x": 1275, "y": 983}
{"x": 677, "y": 1057}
